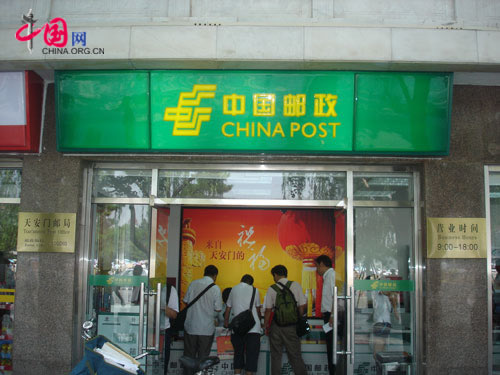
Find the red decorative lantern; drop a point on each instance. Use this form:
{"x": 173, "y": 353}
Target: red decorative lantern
{"x": 304, "y": 235}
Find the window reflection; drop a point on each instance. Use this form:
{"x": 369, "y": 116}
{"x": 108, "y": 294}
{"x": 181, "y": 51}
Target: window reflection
{"x": 294, "y": 185}
{"x": 8, "y": 244}
{"x": 378, "y": 187}
{"x": 382, "y": 241}
{"x": 10, "y": 187}
{"x": 10, "y": 183}
{"x": 122, "y": 183}
{"x": 120, "y": 254}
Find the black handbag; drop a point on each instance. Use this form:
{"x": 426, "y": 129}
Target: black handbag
{"x": 302, "y": 327}
{"x": 177, "y": 324}
{"x": 242, "y": 323}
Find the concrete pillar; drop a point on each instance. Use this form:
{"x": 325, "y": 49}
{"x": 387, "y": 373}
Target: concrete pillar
{"x": 455, "y": 290}
{"x": 45, "y": 282}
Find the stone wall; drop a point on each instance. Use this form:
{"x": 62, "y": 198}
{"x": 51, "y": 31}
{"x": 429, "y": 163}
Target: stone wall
{"x": 438, "y": 35}
{"x": 456, "y": 317}
{"x": 444, "y": 13}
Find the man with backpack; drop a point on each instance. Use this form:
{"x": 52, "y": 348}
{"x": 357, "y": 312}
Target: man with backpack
{"x": 285, "y": 301}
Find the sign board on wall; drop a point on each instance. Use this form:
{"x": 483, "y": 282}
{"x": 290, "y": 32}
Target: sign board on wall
{"x": 46, "y": 232}
{"x": 456, "y": 237}
{"x": 319, "y": 112}
{"x": 21, "y": 98}
{"x": 255, "y": 112}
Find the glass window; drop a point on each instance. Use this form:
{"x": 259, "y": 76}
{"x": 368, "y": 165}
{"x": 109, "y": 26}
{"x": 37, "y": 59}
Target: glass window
{"x": 121, "y": 237}
{"x": 383, "y": 187}
{"x": 130, "y": 183}
{"x": 10, "y": 183}
{"x": 10, "y": 187}
{"x": 8, "y": 244}
{"x": 294, "y": 185}
{"x": 495, "y": 265}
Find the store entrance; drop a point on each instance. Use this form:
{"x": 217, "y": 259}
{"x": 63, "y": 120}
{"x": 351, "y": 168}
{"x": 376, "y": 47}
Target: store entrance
{"x": 252, "y": 241}
{"x": 370, "y": 237}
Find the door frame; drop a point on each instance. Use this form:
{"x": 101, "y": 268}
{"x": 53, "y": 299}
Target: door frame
{"x": 348, "y": 203}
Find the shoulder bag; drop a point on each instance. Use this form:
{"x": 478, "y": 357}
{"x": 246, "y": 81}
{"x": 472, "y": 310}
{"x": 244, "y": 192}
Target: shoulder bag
{"x": 177, "y": 324}
{"x": 242, "y": 323}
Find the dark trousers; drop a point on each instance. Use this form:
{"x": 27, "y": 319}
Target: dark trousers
{"x": 166, "y": 350}
{"x": 329, "y": 345}
{"x": 280, "y": 337}
{"x": 246, "y": 351}
{"x": 196, "y": 346}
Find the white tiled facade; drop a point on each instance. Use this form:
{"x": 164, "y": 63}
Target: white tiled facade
{"x": 451, "y": 35}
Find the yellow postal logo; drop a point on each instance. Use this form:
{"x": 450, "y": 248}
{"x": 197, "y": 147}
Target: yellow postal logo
{"x": 188, "y": 116}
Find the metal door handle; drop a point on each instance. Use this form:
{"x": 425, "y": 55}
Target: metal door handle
{"x": 351, "y": 321}
{"x": 335, "y": 329}
{"x": 141, "y": 320}
{"x": 157, "y": 320}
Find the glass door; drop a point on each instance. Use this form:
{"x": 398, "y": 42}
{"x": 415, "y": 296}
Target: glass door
{"x": 383, "y": 297}
{"x": 127, "y": 263}
{"x": 381, "y": 301}
{"x": 120, "y": 265}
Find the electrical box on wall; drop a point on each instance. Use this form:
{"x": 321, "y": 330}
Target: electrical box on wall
{"x": 21, "y": 102}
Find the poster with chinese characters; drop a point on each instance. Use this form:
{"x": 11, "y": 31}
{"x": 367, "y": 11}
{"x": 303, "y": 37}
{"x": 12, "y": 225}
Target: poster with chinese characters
{"x": 46, "y": 232}
{"x": 253, "y": 241}
{"x": 456, "y": 237}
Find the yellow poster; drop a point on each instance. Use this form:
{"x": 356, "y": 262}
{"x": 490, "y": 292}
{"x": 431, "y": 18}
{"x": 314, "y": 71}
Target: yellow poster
{"x": 252, "y": 241}
{"x": 456, "y": 237}
{"x": 46, "y": 232}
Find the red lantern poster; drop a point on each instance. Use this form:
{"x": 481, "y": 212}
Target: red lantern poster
{"x": 241, "y": 241}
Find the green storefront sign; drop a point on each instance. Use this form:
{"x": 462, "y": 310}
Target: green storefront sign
{"x": 385, "y": 285}
{"x": 117, "y": 280}
{"x": 254, "y": 111}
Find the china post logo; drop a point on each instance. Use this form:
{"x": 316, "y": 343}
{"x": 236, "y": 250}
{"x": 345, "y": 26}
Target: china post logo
{"x": 188, "y": 116}
{"x": 269, "y": 115}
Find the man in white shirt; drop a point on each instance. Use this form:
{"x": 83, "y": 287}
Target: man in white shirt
{"x": 384, "y": 303}
{"x": 324, "y": 268}
{"x": 199, "y": 327}
{"x": 286, "y": 336}
{"x": 171, "y": 309}
{"x": 246, "y": 348}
